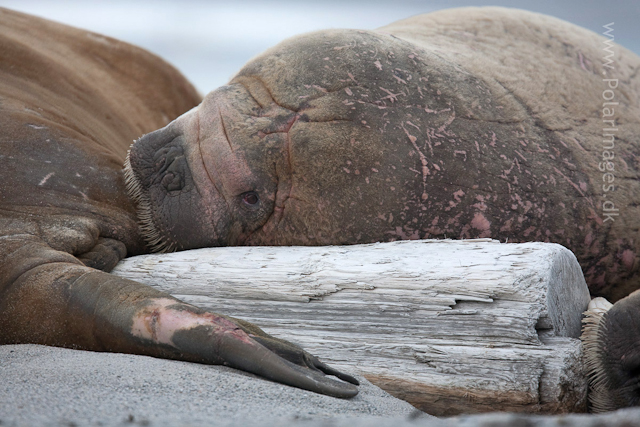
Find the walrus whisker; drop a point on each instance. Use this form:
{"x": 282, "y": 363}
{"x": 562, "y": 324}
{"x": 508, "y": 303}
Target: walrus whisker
{"x": 594, "y": 331}
{"x": 156, "y": 242}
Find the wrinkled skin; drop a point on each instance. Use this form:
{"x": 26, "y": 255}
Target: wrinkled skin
{"x": 463, "y": 124}
{"x": 71, "y": 102}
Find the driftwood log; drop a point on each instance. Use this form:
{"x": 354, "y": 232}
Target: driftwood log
{"x": 450, "y": 326}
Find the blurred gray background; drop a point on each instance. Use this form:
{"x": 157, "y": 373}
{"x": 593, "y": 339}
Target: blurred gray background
{"x": 210, "y": 40}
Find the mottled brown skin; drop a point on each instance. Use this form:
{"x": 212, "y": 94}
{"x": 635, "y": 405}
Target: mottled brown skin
{"x": 71, "y": 102}
{"x": 464, "y": 123}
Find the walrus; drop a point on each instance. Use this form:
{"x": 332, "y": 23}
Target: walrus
{"x": 463, "y": 123}
{"x": 71, "y": 102}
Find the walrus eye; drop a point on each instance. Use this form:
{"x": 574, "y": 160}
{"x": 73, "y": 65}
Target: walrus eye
{"x": 250, "y": 198}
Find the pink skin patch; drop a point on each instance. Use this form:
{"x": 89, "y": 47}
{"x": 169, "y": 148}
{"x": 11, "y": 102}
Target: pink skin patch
{"x": 482, "y": 224}
{"x": 157, "y": 322}
{"x": 628, "y": 257}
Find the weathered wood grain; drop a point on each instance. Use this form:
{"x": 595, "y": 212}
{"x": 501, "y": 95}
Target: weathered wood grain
{"x": 450, "y": 326}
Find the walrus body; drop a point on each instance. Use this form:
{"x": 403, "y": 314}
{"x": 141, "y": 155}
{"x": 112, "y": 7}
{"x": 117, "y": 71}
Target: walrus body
{"x": 71, "y": 102}
{"x": 463, "y": 123}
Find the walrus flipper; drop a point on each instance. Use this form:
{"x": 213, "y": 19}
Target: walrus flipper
{"x": 235, "y": 348}
{"x": 81, "y": 307}
{"x": 291, "y": 352}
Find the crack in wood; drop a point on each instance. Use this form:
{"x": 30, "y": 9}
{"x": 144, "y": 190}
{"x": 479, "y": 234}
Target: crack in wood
{"x": 447, "y": 325}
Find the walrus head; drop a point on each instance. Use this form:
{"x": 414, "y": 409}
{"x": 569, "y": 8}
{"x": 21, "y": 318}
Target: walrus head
{"x": 278, "y": 156}
{"x": 323, "y": 139}
{"x": 195, "y": 185}
{"x": 225, "y": 173}
{"x": 611, "y": 340}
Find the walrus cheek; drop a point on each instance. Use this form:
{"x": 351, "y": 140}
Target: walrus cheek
{"x": 187, "y": 220}
{"x": 170, "y": 206}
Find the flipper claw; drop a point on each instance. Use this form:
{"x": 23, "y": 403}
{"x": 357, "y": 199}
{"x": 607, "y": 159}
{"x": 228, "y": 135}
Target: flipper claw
{"x": 256, "y": 358}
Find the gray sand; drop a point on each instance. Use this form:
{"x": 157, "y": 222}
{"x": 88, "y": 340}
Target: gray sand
{"x": 52, "y": 386}
{"x": 45, "y": 385}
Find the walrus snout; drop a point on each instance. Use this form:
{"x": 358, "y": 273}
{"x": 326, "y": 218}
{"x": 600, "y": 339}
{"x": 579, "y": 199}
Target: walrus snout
{"x": 157, "y": 171}
{"x": 148, "y": 154}
{"x": 186, "y": 183}
{"x": 613, "y": 355}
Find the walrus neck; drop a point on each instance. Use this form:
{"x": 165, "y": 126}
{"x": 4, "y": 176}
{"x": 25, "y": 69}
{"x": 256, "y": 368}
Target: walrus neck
{"x": 152, "y": 236}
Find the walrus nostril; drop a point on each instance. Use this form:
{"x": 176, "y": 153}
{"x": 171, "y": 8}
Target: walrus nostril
{"x": 172, "y": 182}
{"x": 173, "y": 179}
{"x": 165, "y": 157}
{"x": 160, "y": 159}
